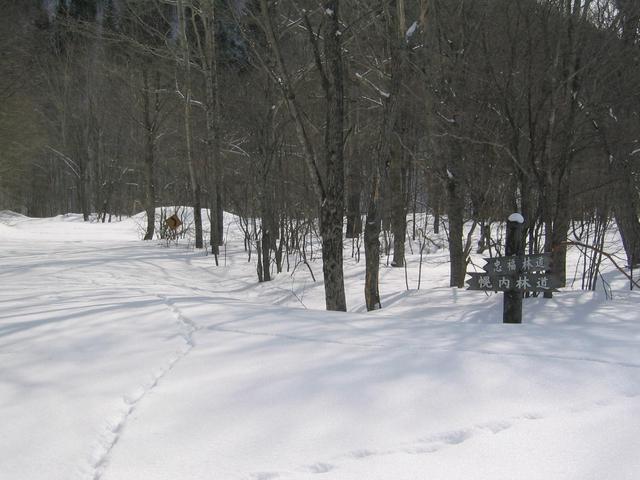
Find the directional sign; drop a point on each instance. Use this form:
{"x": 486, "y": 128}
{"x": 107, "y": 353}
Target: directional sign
{"x": 173, "y": 222}
{"x": 515, "y": 273}
{"x": 509, "y": 265}
{"x": 518, "y": 282}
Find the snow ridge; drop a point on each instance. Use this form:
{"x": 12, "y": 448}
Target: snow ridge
{"x": 110, "y": 437}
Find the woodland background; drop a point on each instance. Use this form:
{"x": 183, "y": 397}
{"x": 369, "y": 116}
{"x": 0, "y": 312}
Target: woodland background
{"x": 298, "y": 114}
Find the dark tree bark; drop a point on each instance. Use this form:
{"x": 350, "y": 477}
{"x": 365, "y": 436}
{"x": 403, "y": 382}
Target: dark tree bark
{"x": 149, "y": 150}
{"x": 354, "y": 175}
{"x": 625, "y": 210}
{"x": 265, "y": 246}
{"x": 455, "y": 215}
{"x": 399, "y": 204}
{"x": 196, "y": 189}
{"x": 327, "y": 182}
{"x": 399, "y": 165}
{"x": 354, "y": 219}
{"x": 382, "y": 160}
{"x": 332, "y": 207}
{"x": 208, "y": 59}
{"x": 372, "y": 245}
{"x": 556, "y": 224}
{"x": 625, "y": 196}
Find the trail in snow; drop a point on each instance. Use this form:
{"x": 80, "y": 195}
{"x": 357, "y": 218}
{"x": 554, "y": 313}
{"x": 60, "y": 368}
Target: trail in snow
{"x": 132, "y": 401}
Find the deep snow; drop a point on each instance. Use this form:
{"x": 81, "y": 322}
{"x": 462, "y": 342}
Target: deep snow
{"x": 122, "y": 359}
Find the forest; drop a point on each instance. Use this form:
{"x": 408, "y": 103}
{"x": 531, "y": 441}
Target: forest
{"x": 339, "y": 119}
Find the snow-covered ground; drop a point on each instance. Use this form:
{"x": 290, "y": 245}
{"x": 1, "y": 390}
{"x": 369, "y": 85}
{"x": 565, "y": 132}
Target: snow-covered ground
{"x": 122, "y": 359}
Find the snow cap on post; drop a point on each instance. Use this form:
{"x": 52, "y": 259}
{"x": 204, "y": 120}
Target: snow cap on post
{"x": 516, "y": 217}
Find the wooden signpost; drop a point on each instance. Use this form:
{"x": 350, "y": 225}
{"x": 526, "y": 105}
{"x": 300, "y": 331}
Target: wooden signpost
{"x": 515, "y": 273}
{"x": 523, "y": 282}
{"x": 510, "y": 265}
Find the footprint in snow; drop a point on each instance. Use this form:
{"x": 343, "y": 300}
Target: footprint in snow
{"x": 496, "y": 427}
{"x": 265, "y": 475}
{"x": 422, "y": 450}
{"x": 320, "y": 468}
{"x": 363, "y": 453}
{"x": 532, "y": 416}
{"x": 453, "y": 437}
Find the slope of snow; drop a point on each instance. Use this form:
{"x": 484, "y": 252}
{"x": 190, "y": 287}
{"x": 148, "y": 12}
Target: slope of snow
{"x": 123, "y": 359}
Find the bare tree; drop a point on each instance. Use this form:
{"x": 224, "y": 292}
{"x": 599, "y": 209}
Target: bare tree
{"x": 327, "y": 173}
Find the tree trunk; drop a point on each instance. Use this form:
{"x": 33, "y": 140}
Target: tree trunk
{"x": 332, "y": 264}
{"x": 629, "y": 229}
{"x": 455, "y": 214}
{"x": 398, "y": 173}
{"x": 372, "y": 246}
{"x": 149, "y": 187}
{"x": 625, "y": 197}
{"x": 354, "y": 219}
{"x": 83, "y": 194}
{"x": 399, "y": 202}
{"x": 332, "y": 207}
{"x": 195, "y": 184}
{"x": 354, "y": 178}
{"x": 212, "y": 108}
{"x": 265, "y": 245}
{"x": 328, "y": 183}
{"x": 625, "y": 209}
{"x": 382, "y": 160}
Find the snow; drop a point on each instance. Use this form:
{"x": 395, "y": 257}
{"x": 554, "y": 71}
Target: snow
{"x": 516, "y": 217}
{"x": 123, "y": 359}
{"x": 411, "y": 30}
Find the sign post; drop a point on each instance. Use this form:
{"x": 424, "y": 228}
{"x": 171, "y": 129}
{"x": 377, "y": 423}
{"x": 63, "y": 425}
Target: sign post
{"x": 515, "y": 273}
{"x": 512, "y": 304}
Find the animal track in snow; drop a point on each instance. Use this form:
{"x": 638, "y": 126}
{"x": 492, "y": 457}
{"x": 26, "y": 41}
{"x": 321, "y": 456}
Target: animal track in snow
{"x": 265, "y": 476}
{"x": 111, "y": 435}
{"x": 436, "y": 442}
{"x": 422, "y": 446}
{"x": 320, "y": 467}
{"x": 362, "y": 453}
